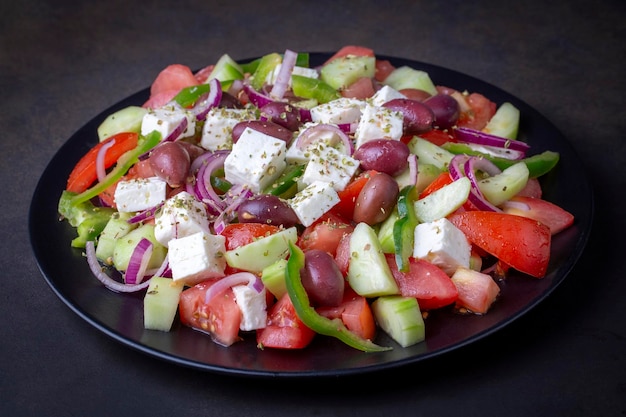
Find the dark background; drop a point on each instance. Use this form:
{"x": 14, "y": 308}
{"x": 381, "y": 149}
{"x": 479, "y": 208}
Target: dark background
{"x": 63, "y": 62}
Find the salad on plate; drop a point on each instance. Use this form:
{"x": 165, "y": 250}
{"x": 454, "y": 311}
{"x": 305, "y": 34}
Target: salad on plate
{"x": 275, "y": 201}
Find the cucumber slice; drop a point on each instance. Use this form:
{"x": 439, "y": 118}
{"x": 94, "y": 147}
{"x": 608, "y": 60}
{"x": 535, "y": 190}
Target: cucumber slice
{"x": 161, "y": 303}
{"x": 505, "y": 122}
{"x": 127, "y": 119}
{"x": 429, "y": 153}
{"x": 444, "y": 201}
{"x": 407, "y": 77}
{"x": 401, "y": 318}
{"x": 258, "y": 255}
{"x": 124, "y": 248}
{"x": 385, "y": 233}
{"x": 503, "y": 186}
{"x": 273, "y": 277}
{"x": 226, "y": 69}
{"x": 369, "y": 274}
{"x": 342, "y": 72}
{"x": 116, "y": 228}
{"x": 265, "y": 67}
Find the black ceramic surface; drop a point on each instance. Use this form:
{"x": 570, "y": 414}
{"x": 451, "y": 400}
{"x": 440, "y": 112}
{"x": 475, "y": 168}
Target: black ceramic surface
{"x": 121, "y": 316}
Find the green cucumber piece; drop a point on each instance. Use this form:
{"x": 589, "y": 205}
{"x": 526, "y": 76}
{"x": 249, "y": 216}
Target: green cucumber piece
{"x": 127, "y": 119}
{"x": 443, "y": 201}
{"x": 226, "y": 69}
{"x": 123, "y": 249}
{"x": 161, "y": 303}
{"x": 407, "y": 77}
{"x": 501, "y": 187}
{"x": 341, "y": 72}
{"x": 385, "y": 232}
{"x": 117, "y": 227}
{"x": 505, "y": 122}
{"x": 429, "y": 153}
{"x": 401, "y": 318}
{"x": 273, "y": 278}
{"x": 369, "y": 274}
{"x": 258, "y": 255}
{"x": 265, "y": 67}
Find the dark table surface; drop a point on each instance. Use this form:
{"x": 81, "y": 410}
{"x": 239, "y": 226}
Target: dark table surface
{"x": 63, "y": 62}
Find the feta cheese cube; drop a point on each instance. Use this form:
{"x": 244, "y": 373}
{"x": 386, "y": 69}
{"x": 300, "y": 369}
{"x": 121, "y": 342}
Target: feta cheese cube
{"x": 256, "y": 160}
{"x": 181, "y": 215}
{"x": 218, "y": 127}
{"x": 167, "y": 118}
{"x": 140, "y": 194}
{"x": 384, "y": 95}
{"x": 329, "y": 165}
{"x": 339, "y": 111}
{"x": 377, "y": 123}
{"x": 443, "y": 244}
{"x": 313, "y": 201}
{"x": 197, "y": 257}
{"x": 253, "y": 307}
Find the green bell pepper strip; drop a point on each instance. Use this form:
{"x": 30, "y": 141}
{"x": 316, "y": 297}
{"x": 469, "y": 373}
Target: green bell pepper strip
{"x": 538, "y": 164}
{"x": 404, "y": 227}
{"x": 188, "y": 96}
{"x": 308, "y": 315}
{"x": 124, "y": 163}
{"x": 287, "y": 184}
{"x": 306, "y": 87}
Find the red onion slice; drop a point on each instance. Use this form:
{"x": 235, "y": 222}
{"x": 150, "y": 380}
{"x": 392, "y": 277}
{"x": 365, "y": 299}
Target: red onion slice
{"x": 109, "y": 282}
{"x": 317, "y": 132}
{"x": 100, "y": 169}
{"x": 466, "y": 134}
{"x": 210, "y": 100}
{"x": 138, "y": 263}
{"x": 229, "y": 281}
{"x": 476, "y": 197}
{"x": 178, "y": 130}
{"x": 203, "y": 167}
{"x": 145, "y": 215}
{"x": 412, "y": 160}
{"x": 255, "y": 97}
{"x": 284, "y": 75}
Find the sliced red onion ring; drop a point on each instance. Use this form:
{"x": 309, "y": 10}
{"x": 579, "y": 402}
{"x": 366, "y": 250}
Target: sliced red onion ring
{"x": 178, "y": 130}
{"x": 203, "y": 167}
{"x": 145, "y": 215}
{"x": 138, "y": 262}
{"x": 209, "y": 100}
{"x": 257, "y": 98}
{"x": 314, "y": 133}
{"x": 229, "y": 281}
{"x": 109, "y": 282}
{"x": 465, "y": 166}
{"x": 233, "y": 199}
{"x": 466, "y": 134}
{"x": 284, "y": 75}
{"x": 100, "y": 169}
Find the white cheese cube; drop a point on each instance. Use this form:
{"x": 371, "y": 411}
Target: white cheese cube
{"x": 256, "y": 160}
{"x": 339, "y": 111}
{"x": 377, "y": 123}
{"x": 181, "y": 215}
{"x": 167, "y": 118}
{"x": 140, "y": 194}
{"x": 384, "y": 95}
{"x": 443, "y": 244}
{"x": 329, "y": 165}
{"x": 197, "y": 257}
{"x": 253, "y": 306}
{"x": 218, "y": 127}
{"x": 303, "y": 71}
{"x": 313, "y": 201}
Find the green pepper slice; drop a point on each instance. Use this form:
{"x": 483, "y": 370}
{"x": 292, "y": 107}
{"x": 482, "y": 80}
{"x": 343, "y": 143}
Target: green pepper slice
{"x": 306, "y": 87}
{"x": 188, "y": 96}
{"x": 308, "y": 315}
{"x": 124, "y": 163}
{"x": 404, "y": 227}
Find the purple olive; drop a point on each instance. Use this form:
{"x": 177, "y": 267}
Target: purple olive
{"x": 383, "y": 155}
{"x": 322, "y": 279}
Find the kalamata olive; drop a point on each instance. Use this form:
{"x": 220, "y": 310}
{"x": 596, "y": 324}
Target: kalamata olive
{"x": 418, "y": 118}
{"x": 415, "y": 94}
{"x": 170, "y": 161}
{"x": 194, "y": 151}
{"x": 283, "y": 114}
{"x": 445, "y": 108}
{"x": 322, "y": 278}
{"x": 376, "y": 200}
{"x": 229, "y": 101}
{"x": 383, "y": 155}
{"x": 266, "y": 208}
{"x": 263, "y": 126}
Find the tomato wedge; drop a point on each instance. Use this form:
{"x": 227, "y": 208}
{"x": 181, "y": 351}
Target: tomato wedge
{"x": 325, "y": 234}
{"x": 284, "y": 329}
{"x": 85, "y": 171}
{"x": 553, "y": 216}
{"x": 355, "y": 312}
{"x": 240, "y": 234}
{"x": 520, "y": 242}
{"x": 353, "y": 50}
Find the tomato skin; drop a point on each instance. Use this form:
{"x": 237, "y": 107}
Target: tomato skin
{"x": 354, "y": 50}
{"x": 85, "y": 172}
{"x": 240, "y": 234}
{"x": 168, "y": 83}
{"x": 520, "y": 242}
{"x": 284, "y": 329}
{"x": 438, "y": 137}
{"x": 425, "y": 281}
{"x": 342, "y": 255}
{"x": 355, "y": 312}
{"x": 383, "y": 69}
{"x": 481, "y": 111}
{"x": 442, "y": 180}
{"x": 553, "y": 216}
{"x": 220, "y": 318}
{"x": 325, "y": 234}
{"x": 360, "y": 89}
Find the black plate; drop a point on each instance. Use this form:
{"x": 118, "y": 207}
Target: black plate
{"x": 121, "y": 316}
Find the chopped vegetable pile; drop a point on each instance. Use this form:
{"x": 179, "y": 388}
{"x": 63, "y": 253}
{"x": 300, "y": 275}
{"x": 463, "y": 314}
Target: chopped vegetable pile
{"x": 278, "y": 201}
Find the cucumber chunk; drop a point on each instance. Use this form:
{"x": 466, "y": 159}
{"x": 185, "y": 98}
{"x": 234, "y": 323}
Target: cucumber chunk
{"x": 503, "y": 186}
{"x": 117, "y": 227}
{"x": 161, "y": 303}
{"x": 273, "y": 278}
{"x": 401, "y": 318}
{"x": 407, "y": 77}
{"x": 226, "y": 69}
{"x": 258, "y": 255}
{"x": 342, "y": 72}
{"x": 123, "y": 249}
{"x": 443, "y": 201}
{"x": 505, "y": 122}
{"x": 369, "y": 274}
{"x": 127, "y": 119}
{"x": 429, "y": 153}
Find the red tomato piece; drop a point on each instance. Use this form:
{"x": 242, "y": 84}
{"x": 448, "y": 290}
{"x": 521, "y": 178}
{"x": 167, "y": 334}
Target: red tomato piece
{"x": 481, "y": 111}
{"x": 325, "y": 234}
{"x": 438, "y": 137}
{"x": 360, "y": 89}
{"x": 353, "y": 50}
{"x": 383, "y": 69}
{"x": 220, "y": 318}
{"x": 342, "y": 255}
{"x": 441, "y": 181}
{"x": 348, "y": 196}
{"x": 477, "y": 291}
{"x": 355, "y": 313}
{"x": 520, "y": 242}
{"x": 168, "y": 83}
{"x": 85, "y": 172}
{"x": 553, "y": 216}
{"x": 532, "y": 189}
{"x": 240, "y": 234}
{"x": 284, "y": 328}
{"x": 425, "y": 281}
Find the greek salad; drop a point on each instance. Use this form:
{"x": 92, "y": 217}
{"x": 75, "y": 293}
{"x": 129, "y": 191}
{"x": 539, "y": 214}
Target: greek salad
{"x": 277, "y": 201}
